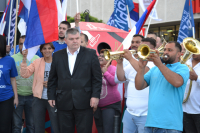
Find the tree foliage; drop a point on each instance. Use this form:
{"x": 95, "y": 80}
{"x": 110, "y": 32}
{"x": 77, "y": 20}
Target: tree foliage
{"x": 91, "y": 19}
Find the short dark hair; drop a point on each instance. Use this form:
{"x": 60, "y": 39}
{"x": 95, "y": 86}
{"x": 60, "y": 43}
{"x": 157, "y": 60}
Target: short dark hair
{"x": 177, "y": 45}
{"x": 138, "y": 35}
{"x": 50, "y": 43}
{"x": 72, "y": 31}
{"x": 85, "y": 36}
{"x": 102, "y": 50}
{"x": 152, "y": 33}
{"x": 2, "y": 46}
{"x": 150, "y": 40}
{"x": 66, "y": 23}
{"x": 23, "y": 37}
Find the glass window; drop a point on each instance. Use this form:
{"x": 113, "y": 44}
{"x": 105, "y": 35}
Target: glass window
{"x": 168, "y": 33}
{"x": 154, "y": 30}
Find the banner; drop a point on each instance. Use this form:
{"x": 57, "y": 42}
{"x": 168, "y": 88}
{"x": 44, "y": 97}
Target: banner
{"x": 187, "y": 22}
{"x": 12, "y": 22}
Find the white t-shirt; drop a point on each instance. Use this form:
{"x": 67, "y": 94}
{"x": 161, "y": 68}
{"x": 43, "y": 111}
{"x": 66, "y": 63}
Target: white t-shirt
{"x": 137, "y": 100}
{"x": 192, "y": 105}
{"x": 120, "y": 83}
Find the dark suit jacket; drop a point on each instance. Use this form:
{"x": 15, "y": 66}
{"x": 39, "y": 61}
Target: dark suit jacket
{"x": 77, "y": 89}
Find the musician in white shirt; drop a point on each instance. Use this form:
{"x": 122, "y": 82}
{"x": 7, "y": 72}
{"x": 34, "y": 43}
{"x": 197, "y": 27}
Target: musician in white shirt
{"x": 191, "y": 108}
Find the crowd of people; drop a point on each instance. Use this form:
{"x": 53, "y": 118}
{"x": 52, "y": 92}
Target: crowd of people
{"x": 74, "y": 85}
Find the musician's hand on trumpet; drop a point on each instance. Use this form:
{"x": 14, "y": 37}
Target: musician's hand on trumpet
{"x": 127, "y": 55}
{"x": 155, "y": 58}
{"x": 193, "y": 75}
{"x": 120, "y": 60}
{"x": 142, "y": 63}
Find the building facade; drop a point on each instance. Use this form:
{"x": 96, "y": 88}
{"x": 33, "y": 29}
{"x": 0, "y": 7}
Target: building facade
{"x": 170, "y": 11}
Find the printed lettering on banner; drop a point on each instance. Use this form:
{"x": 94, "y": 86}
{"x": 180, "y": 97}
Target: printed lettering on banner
{"x": 12, "y": 28}
{"x": 120, "y": 15}
{"x": 1, "y": 73}
{"x": 185, "y": 29}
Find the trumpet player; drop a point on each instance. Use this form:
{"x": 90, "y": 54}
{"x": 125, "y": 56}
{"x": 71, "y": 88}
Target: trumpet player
{"x": 135, "y": 43}
{"x": 137, "y": 101}
{"x": 191, "y": 110}
{"x": 167, "y": 82}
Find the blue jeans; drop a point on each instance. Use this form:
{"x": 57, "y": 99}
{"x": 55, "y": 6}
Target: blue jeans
{"x": 133, "y": 124}
{"x": 159, "y": 130}
{"x": 25, "y": 103}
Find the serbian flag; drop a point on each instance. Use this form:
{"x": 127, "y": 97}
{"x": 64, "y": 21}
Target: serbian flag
{"x": 137, "y": 28}
{"x": 42, "y": 25}
{"x": 24, "y": 9}
{"x": 134, "y": 15}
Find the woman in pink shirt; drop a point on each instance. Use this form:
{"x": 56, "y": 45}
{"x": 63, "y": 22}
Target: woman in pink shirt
{"x": 110, "y": 99}
{"x": 40, "y": 68}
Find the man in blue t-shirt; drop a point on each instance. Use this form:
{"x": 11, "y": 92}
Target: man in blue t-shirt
{"x": 167, "y": 84}
{"x": 62, "y": 28}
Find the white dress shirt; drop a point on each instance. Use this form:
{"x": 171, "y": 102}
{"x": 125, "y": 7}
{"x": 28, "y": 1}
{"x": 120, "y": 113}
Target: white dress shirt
{"x": 72, "y": 59}
{"x": 192, "y": 105}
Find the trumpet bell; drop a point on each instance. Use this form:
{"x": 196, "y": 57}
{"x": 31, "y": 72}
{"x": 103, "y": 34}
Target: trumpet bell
{"x": 143, "y": 51}
{"x": 192, "y": 46}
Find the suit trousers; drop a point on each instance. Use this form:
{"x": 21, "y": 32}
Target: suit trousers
{"x": 82, "y": 118}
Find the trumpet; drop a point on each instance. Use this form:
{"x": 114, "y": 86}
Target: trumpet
{"x": 115, "y": 55}
{"x": 144, "y": 51}
{"x": 192, "y": 46}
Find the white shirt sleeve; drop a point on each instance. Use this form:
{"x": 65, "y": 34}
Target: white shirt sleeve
{"x": 116, "y": 79}
{"x": 198, "y": 80}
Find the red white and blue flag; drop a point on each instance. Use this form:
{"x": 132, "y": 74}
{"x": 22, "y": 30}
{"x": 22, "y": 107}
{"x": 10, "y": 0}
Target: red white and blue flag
{"x": 134, "y": 15}
{"x": 137, "y": 28}
{"x": 24, "y": 9}
{"x": 144, "y": 17}
{"x": 42, "y": 24}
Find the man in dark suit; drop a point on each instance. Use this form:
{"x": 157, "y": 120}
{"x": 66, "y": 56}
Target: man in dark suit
{"x": 76, "y": 73}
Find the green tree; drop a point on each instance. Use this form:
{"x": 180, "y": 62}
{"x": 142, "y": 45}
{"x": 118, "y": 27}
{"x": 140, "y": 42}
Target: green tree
{"x": 91, "y": 19}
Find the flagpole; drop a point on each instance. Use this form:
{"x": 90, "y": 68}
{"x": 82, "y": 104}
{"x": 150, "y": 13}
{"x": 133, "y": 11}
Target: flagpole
{"x": 16, "y": 26}
{"x": 11, "y": 6}
{"x": 129, "y": 16}
{"x": 150, "y": 20}
{"x": 193, "y": 32}
{"x": 77, "y": 9}
{"x": 148, "y": 27}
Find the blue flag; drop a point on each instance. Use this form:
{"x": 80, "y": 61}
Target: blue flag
{"x": 12, "y": 25}
{"x": 187, "y": 22}
{"x": 119, "y": 17}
